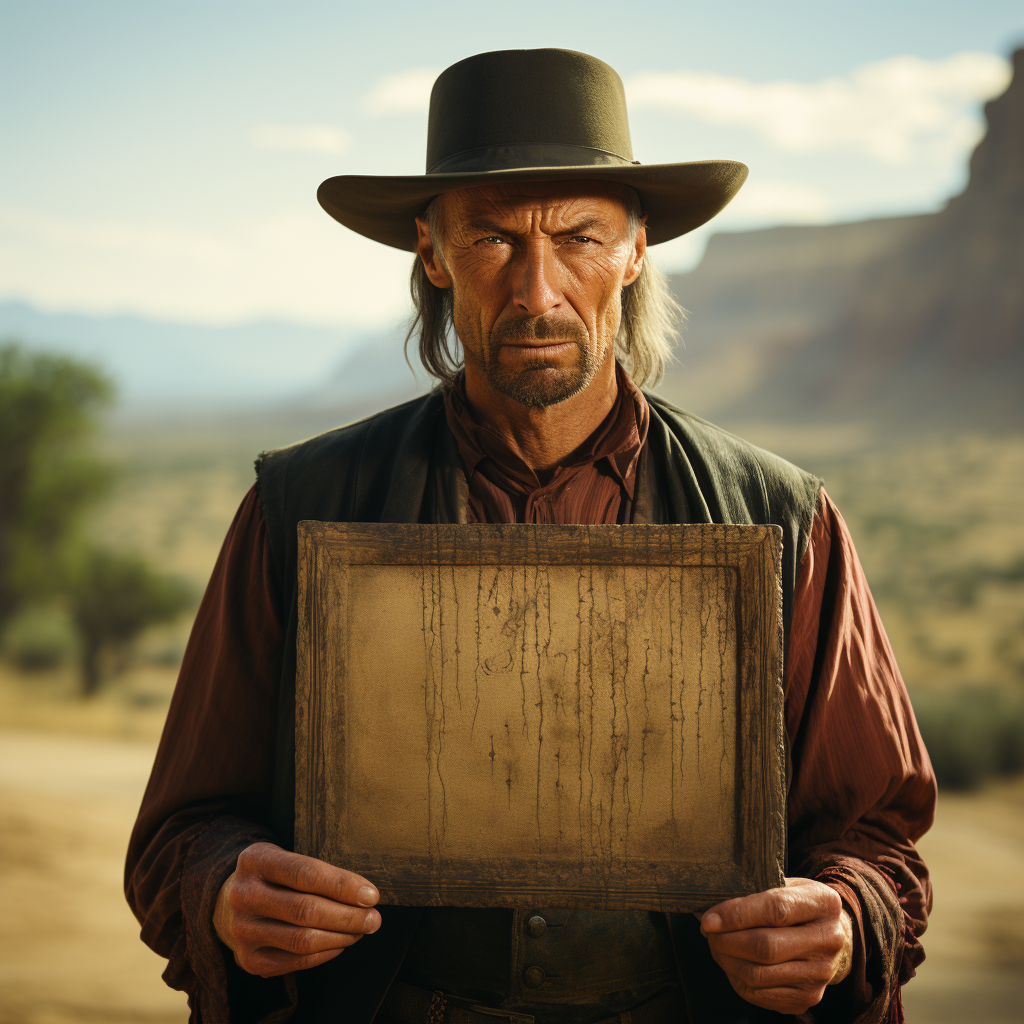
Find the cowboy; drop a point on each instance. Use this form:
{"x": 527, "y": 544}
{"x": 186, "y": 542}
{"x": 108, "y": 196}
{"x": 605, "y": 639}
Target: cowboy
{"x": 540, "y": 314}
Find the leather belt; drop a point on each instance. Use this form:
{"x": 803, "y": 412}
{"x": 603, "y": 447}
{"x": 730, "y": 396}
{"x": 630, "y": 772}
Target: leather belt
{"x": 407, "y": 1004}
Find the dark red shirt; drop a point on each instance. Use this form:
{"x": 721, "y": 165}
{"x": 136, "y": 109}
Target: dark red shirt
{"x": 859, "y": 767}
{"x": 592, "y": 485}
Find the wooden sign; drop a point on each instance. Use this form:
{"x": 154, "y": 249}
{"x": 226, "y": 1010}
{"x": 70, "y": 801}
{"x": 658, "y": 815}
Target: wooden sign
{"x": 525, "y": 716}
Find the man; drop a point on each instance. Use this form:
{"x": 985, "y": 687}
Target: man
{"x": 530, "y": 230}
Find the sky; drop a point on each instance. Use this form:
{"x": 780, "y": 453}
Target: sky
{"x": 163, "y": 159}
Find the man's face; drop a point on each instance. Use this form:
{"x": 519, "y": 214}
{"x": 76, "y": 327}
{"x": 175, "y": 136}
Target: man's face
{"x": 536, "y": 271}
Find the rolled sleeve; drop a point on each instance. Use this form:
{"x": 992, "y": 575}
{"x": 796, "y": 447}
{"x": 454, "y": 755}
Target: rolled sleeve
{"x": 209, "y": 792}
{"x": 862, "y": 790}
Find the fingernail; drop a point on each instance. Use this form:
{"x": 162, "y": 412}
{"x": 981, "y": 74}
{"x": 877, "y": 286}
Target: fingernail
{"x": 711, "y": 922}
{"x": 372, "y": 921}
{"x": 367, "y": 895}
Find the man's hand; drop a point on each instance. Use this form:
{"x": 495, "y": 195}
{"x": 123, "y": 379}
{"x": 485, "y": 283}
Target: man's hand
{"x": 783, "y": 947}
{"x": 281, "y": 912}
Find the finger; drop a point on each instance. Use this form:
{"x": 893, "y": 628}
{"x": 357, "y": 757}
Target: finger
{"x": 307, "y": 874}
{"x": 789, "y": 1001}
{"x": 806, "y": 974}
{"x": 269, "y": 963}
{"x": 772, "y": 945}
{"x": 289, "y": 938}
{"x": 265, "y": 900}
{"x": 775, "y": 908}
{"x": 800, "y": 883}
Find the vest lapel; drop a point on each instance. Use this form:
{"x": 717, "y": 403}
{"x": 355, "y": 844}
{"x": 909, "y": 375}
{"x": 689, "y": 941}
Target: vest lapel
{"x": 670, "y": 472}
{"x": 410, "y": 466}
{"x": 450, "y": 491}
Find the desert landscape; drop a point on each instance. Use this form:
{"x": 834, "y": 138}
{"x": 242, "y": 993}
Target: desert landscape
{"x": 72, "y": 773}
{"x": 886, "y": 355}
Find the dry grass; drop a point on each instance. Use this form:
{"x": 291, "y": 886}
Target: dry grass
{"x": 133, "y": 705}
{"x": 176, "y": 518}
{"x": 938, "y": 527}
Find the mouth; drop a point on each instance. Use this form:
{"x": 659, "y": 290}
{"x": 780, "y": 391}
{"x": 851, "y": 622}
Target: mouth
{"x": 540, "y": 350}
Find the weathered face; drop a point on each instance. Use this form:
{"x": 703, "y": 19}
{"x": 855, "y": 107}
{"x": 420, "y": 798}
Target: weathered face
{"x": 536, "y": 271}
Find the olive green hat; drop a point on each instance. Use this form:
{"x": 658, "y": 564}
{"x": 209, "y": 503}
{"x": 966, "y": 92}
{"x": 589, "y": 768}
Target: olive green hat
{"x": 530, "y": 115}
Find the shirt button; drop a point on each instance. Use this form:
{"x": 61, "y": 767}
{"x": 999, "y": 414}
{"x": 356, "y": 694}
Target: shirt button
{"x": 535, "y": 926}
{"x": 534, "y": 977}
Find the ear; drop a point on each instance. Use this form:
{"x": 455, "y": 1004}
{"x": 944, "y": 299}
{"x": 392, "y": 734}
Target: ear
{"x": 432, "y": 263}
{"x": 636, "y": 263}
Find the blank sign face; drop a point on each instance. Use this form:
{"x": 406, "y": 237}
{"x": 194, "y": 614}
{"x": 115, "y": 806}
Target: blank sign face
{"x": 507, "y": 716}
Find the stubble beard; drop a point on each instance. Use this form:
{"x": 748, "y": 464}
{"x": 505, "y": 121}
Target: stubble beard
{"x": 540, "y": 383}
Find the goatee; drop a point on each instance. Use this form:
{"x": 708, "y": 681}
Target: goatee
{"x": 541, "y": 383}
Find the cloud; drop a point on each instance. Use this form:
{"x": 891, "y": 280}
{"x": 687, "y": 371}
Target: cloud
{"x": 897, "y": 110}
{"x": 760, "y": 203}
{"x": 407, "y": 92}
{"x": 296, "y": 265}
{"x": 788, "y": 202}
{"x": 300, "y": 138}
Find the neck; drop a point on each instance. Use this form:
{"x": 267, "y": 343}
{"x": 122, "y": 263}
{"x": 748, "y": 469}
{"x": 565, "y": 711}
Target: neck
{"x": 542, "y": 438}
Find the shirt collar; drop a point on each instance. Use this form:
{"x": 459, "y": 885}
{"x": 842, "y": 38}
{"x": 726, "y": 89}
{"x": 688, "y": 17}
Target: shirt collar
{"x": 618, "y": 440}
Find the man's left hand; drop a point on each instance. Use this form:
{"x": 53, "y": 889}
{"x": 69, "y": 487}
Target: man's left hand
{"x": 782, "y": 948}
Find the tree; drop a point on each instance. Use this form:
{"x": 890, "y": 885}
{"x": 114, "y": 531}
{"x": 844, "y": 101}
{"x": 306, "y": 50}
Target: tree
{"x": 49, "y": 406}
{"x": 114, "y": 597}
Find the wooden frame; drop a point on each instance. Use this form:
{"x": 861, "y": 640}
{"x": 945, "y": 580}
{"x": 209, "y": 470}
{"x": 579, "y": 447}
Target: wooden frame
{"x": 527, "y": 716}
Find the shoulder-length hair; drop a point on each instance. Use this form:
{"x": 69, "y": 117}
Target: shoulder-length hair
{"x": 648, "y": 328}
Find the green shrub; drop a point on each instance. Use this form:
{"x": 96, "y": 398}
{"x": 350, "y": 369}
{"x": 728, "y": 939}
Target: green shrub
{"x": 49, "y": 477}
{"x": 971, "y": 734}
{"x": 39, "y": 638}
{"x": 1008, "y": 750}
{"x": 115, "y": 596}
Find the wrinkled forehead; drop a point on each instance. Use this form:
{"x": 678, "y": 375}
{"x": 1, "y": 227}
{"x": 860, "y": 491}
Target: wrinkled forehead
{"x": 554, "y": 200}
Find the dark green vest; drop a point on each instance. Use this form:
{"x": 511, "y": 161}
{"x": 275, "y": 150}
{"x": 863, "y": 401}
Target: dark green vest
{"x": 389, "y": 468}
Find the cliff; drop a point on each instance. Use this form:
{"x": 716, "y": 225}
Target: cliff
{"x": 909, "y": 321}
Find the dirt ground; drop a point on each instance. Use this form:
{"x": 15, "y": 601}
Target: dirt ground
{"x": 974, "y": 973}
{"x": 70, "y": 952}
{"x": 69, "y": 946}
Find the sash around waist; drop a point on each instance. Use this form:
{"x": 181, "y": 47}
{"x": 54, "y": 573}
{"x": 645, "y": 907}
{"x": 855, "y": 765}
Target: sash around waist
{"x": 557, "y": 965}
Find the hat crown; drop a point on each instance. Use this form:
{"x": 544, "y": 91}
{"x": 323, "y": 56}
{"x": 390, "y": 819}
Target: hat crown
{"x": 526, "y": 99}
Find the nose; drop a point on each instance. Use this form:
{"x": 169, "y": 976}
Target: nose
{"x": 537, "y": 288}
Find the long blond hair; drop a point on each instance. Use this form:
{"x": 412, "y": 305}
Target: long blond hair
{"x": 648, "y": 328}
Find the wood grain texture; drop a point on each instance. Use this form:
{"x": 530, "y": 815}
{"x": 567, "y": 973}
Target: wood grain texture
{"x": 520, "y": 715}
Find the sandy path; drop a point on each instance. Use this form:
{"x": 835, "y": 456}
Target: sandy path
{"x": 69, "y": 947}
{"x": 974, "y": 973}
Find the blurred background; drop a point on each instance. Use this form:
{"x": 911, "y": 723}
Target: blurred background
{"x": 172, "y": 301}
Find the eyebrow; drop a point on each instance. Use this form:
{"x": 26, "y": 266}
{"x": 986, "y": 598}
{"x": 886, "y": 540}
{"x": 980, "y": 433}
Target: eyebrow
{"x": 582, "y": 226}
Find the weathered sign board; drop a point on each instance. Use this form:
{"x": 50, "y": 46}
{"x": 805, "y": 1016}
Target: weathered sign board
{"x": 542, "y": 716}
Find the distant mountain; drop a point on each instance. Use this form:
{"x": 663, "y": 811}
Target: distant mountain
{"x": 905, "y": 321}
{"x": 164, "y": 366}
{"x": 374, "y": 376}
{"x": 757, "y": 291}
{"x": 938, "y": 324}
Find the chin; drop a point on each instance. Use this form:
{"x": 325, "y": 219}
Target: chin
{"x": 538, "y": 387}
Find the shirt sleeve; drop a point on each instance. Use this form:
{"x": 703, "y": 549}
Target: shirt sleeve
{"x": 862, "y": 789}
{"x": 209, "y": 792}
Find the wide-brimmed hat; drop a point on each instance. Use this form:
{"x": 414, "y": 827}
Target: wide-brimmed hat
{"x": 530, "y": 115}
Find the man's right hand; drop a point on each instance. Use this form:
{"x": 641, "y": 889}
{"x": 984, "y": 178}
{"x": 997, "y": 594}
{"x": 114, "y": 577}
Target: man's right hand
{"x": 280, "y": 912}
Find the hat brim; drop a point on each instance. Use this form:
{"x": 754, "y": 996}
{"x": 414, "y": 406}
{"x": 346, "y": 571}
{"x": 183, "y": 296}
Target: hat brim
{"x": 676, "y": 197}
